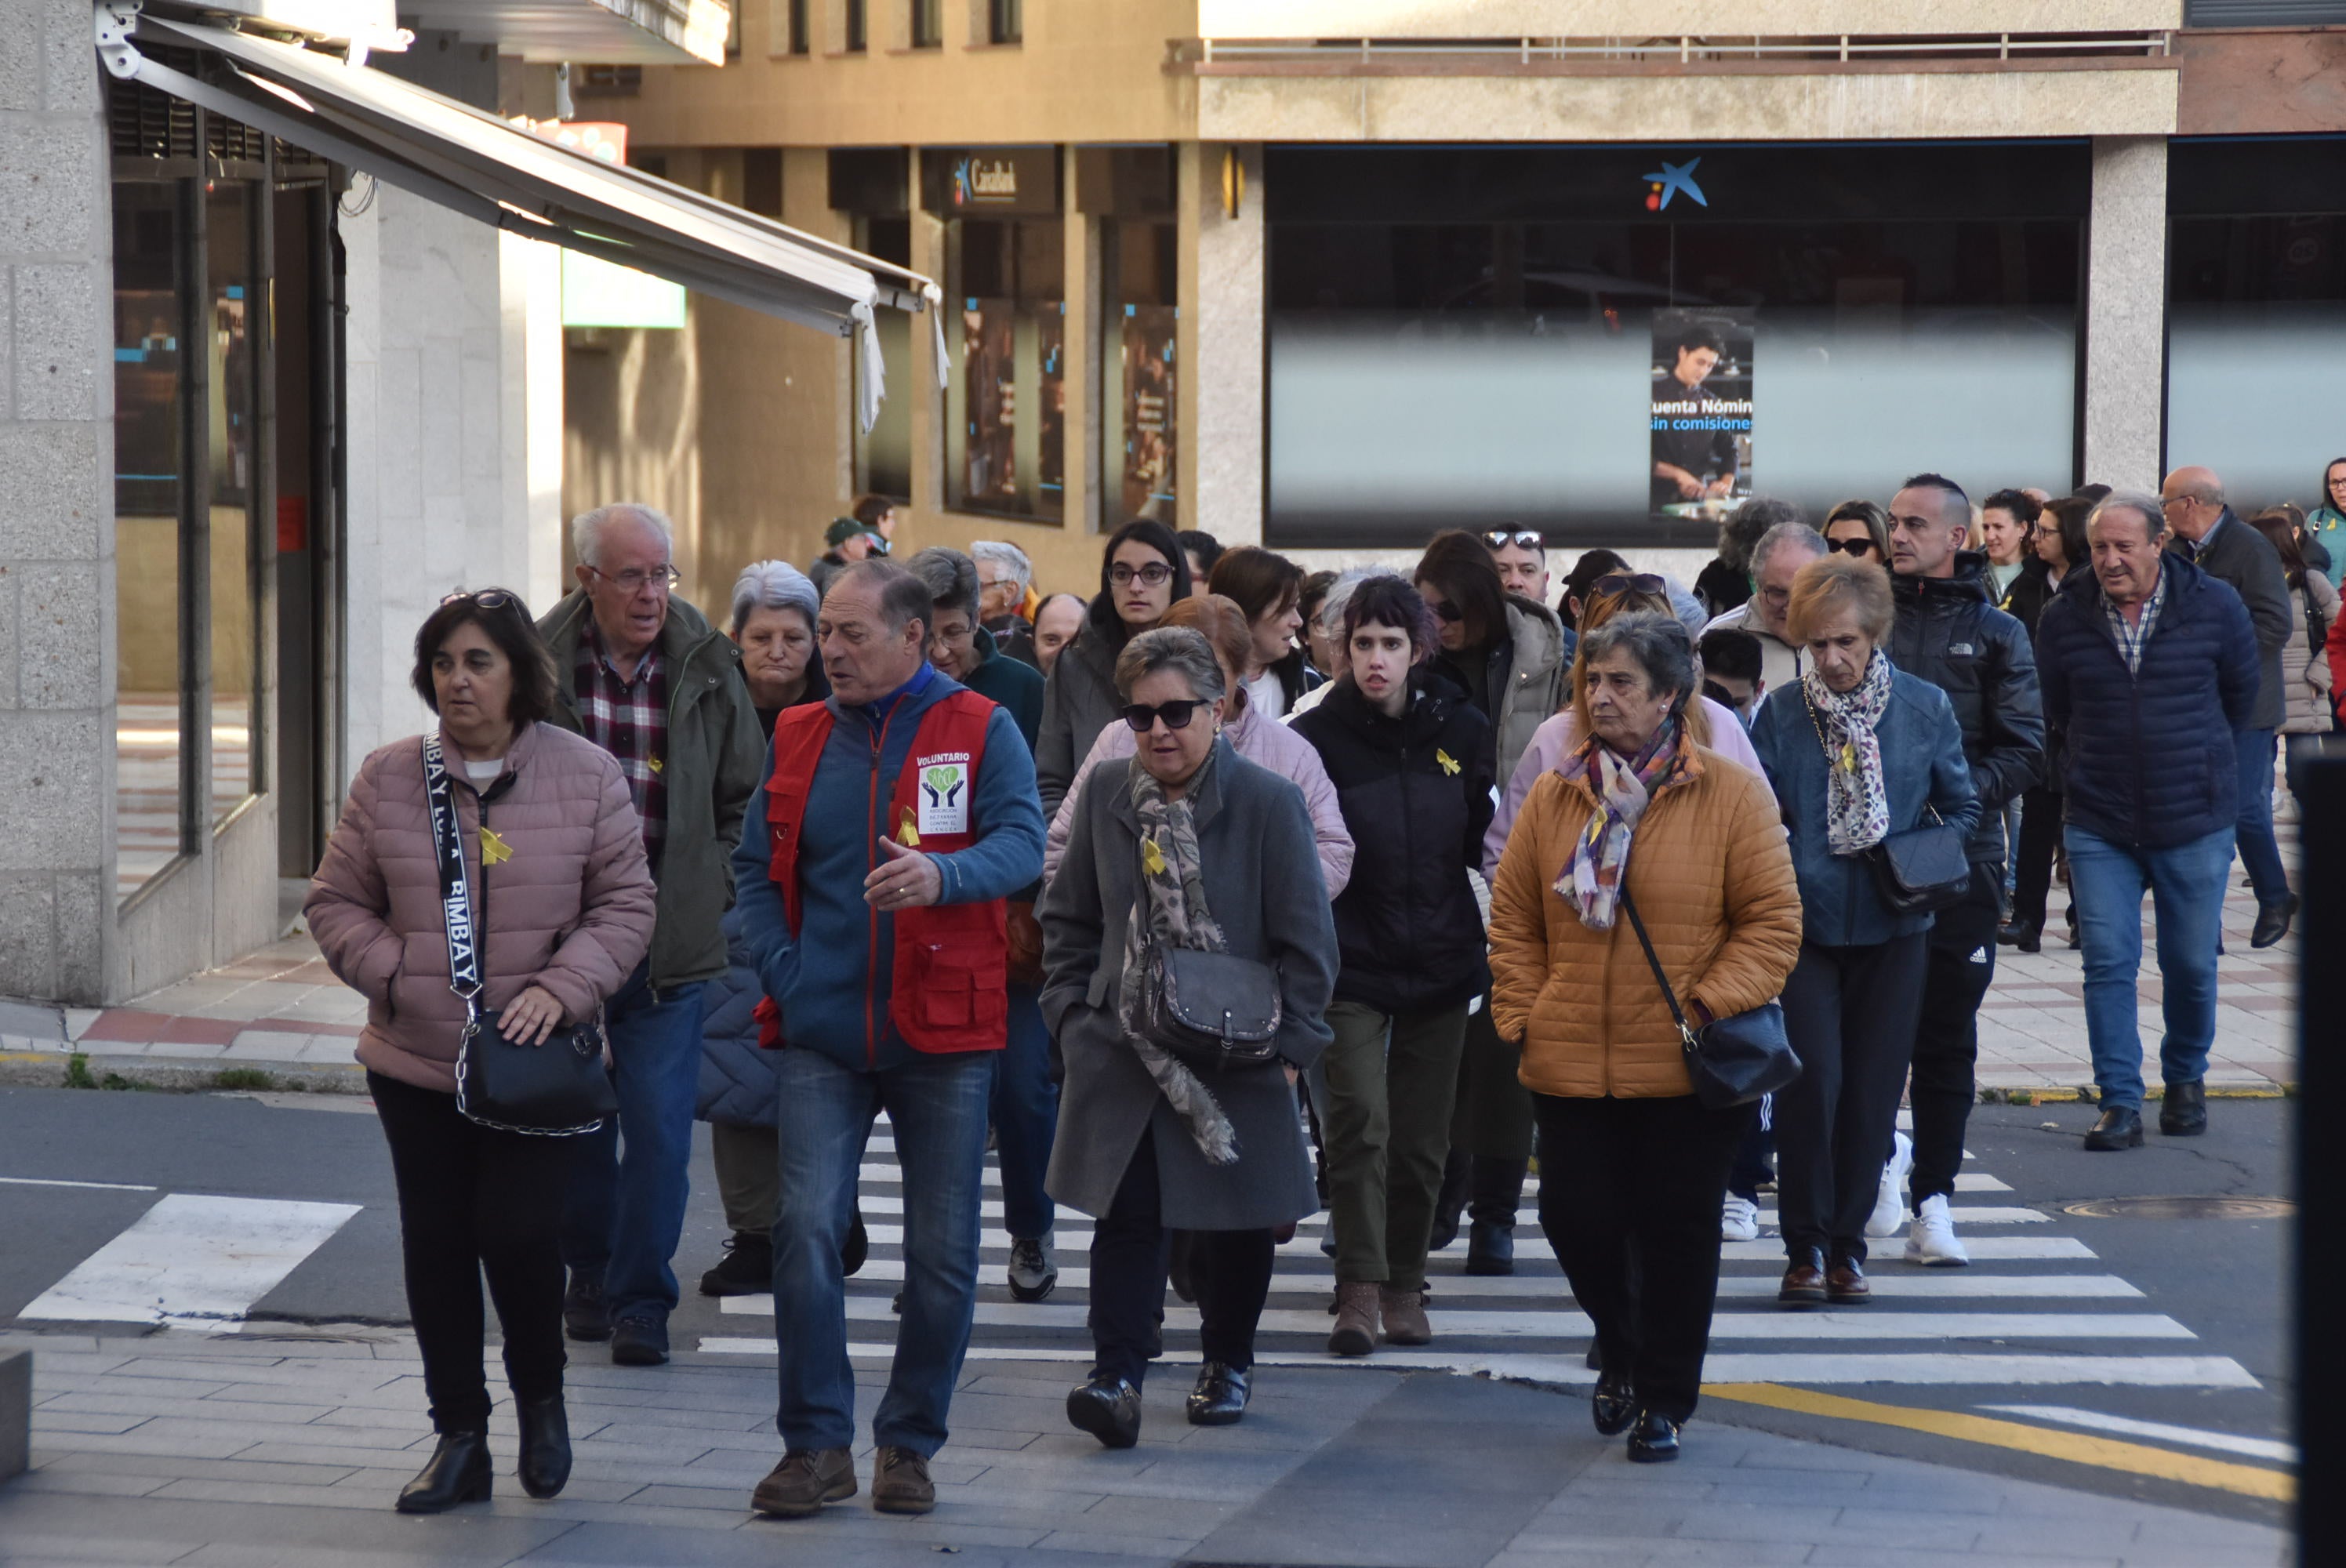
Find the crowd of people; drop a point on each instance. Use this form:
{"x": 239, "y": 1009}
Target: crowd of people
{"x": 1229, "y": 892}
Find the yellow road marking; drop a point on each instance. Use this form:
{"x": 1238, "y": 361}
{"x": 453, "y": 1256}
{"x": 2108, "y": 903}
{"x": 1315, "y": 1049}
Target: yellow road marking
{"x": 2139, "y": 1459}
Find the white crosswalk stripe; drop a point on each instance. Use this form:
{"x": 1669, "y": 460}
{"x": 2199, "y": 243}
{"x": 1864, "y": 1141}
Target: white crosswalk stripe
{"x": 2036, "y": 1308}
{"x": 192, "y": 1262}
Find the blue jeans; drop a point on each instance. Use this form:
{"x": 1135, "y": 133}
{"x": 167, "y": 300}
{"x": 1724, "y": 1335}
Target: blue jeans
{"x": 2186, "y": 883}
{"x": 2260, "y": 853}
{"x": 936, "y": 1105}
{"x": 626, "y": 1210}
{"x": 1025, "y": 1116}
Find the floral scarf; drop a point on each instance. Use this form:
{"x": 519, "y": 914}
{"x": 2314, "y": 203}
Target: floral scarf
{"x": 1169, "y": 909}
{"x": 1857, "y": 804}
{"x": 1624, "y": 787}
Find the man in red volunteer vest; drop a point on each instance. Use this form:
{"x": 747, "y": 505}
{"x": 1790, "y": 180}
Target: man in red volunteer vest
{"x": 892, "y": 822}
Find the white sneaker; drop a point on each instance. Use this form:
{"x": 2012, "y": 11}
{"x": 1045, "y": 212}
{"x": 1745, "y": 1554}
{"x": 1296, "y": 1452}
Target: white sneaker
{"x": 1739, "y": 1221}
{"x": 1932, "y": 1242}
{"x": 1890, "y": 1200}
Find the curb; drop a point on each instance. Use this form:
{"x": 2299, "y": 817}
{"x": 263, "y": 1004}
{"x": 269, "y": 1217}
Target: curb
{"x": 2087, "y": 1096}
{"x": 86, "y": 1070}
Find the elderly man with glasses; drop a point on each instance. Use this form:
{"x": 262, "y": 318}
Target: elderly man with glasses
{"x": 1781, "y": 550}
{"x": 644, "y": 676}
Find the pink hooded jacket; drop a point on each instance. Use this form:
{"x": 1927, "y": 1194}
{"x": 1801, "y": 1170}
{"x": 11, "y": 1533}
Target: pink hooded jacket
{"x": 571, "y": 910}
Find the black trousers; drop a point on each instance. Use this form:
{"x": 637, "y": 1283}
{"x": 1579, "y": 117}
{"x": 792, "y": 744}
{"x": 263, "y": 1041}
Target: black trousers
{"x": 1850, "y": 1014}
{"x": 2031, "y": 866}
{"x": 1956, "y": 977}
{"x": 1630, "y": 1197}
{"x": 472, "y": 1199}
{"x": 1130, "y": 1251}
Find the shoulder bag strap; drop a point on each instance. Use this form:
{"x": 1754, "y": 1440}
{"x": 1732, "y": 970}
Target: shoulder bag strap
{"x": 456, "y": 894}
{"x": 1629, "y": 908}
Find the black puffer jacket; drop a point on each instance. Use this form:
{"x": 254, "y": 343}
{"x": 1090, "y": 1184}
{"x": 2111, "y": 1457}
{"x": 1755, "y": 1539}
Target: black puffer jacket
{"x": 1418, "y": 789}
{"x": 1950, "y": 634}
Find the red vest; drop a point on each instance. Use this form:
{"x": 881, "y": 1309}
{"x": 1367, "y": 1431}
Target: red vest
{"x": 950, "y": 959}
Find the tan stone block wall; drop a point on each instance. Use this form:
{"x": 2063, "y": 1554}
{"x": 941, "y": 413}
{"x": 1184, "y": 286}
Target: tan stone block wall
{"x": 1606, "y": 19}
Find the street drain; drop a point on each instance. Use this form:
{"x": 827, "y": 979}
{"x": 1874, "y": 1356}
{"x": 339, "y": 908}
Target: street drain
{"x": 2183, "y": 1208}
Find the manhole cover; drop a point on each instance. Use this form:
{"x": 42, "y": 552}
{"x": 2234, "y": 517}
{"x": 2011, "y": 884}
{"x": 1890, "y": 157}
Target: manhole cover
{"x": 2183, "y": 1208}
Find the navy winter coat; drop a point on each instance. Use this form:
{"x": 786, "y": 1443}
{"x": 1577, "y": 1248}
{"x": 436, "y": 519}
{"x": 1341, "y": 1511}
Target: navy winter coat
{"x": 2147, "y": 759}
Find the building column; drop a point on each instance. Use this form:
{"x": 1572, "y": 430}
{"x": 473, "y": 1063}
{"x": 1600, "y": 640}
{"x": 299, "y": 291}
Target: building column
{"x": 1220, "y": 376}
{"x": 2125, "y": 313}
{"x": 928, "y": 259}
{"x": 1083, "y": 348}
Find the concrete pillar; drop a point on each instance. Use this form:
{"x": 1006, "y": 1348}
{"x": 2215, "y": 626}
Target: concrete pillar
{"x": 58, "y": 609}
{"x": 1085, "y": 344}
{"x": 2125, "y": 313}
{"x": 928, "y": 237}
{"x": 1220, "y": 391}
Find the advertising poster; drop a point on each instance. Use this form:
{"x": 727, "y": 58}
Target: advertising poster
{"x": 1700, "y": 410}
{"x": 1150, "y": 332}
{"x": 989, "y": 472}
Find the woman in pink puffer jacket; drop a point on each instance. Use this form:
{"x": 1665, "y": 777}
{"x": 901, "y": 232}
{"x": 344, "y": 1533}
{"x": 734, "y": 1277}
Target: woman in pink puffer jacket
{"x": 563, "y": 905}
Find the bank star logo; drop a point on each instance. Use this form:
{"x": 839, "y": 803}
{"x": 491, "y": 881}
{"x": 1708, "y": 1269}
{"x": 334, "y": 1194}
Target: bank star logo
{"x": 1673, "y": 178}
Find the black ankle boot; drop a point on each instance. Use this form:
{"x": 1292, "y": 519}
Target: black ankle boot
{"x": 545, "y": 1446}
{"x": 457, "y": 1471}
{"x": 1497, "y": 1190}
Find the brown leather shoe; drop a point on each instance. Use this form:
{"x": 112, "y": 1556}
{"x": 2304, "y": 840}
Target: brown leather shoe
{"x": 1405, "y": 1315}
{"x": 1804, "y": 1281}
{"x": 1355, "y": 1333}
{"x": 1845, "y": 1283}
{"x": 805, "y": 1480}
{"x": 901, "y": 1484}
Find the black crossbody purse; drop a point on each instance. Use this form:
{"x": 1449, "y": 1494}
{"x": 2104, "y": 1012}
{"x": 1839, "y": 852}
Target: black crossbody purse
{"x": 1732, "y": 1060}
{"x": 1917, "y": 871}
{"x": 552, "y": 1090}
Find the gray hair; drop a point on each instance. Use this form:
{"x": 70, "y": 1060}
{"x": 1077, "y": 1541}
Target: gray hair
{"x": 1009, "y": 557}
{"x": 773, "y": 585}
{"x": 1755, "y": 519}
{"x": 1183, "y": 650}
{"x": 1656, "y": 642}
{"x": 1340, "y": 593}
{"x": 904, "y": 595}
{"x": 1809, "y": 541}
{"x": 2154, "y": 515}
{"x": 951, "y": 577}
{"x": 586, "y": 528}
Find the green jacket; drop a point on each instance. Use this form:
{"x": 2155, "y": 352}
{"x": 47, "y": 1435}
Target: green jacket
{"x": 715, "y": 754}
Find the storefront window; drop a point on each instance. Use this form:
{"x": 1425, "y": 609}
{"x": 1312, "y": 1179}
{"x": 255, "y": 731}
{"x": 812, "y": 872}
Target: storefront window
{"x": 148, "y": 474}
{"x": 234, "y": 328}
{"x": 1006, "y": 430}
{"x": 1566, "y": 338}
{"x": 1137, "y": 399}
{"x": 2258, "y": 303}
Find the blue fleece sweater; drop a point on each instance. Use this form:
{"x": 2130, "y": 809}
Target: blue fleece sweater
{"x": 838, "y": 1005}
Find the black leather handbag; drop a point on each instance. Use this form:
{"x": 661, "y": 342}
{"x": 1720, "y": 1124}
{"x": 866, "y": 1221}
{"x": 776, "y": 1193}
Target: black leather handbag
{"x": 552, "y": 1090}
{"x": 1923, "y": 869}
{"x": 1734, "y": 1060}
{"x": 1211, "y": 1010}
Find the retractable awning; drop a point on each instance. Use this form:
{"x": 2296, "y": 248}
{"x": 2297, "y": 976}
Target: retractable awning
{"x": 460, "y": 156}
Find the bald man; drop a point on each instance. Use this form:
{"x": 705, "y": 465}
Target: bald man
{"x": 2204, "y": 532}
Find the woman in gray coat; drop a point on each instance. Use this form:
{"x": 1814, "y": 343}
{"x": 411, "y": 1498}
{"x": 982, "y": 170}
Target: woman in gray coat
{"x": 1186, "y": 845}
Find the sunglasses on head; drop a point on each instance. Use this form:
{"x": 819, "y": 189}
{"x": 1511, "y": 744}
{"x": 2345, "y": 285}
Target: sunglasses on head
{"x": 1175, "y": 715}
{"x": 488, "y": 598}
{"x": 1522, "y": 538}
{"x": 1614, "y": 583}
{"x": 1860, "y": 545}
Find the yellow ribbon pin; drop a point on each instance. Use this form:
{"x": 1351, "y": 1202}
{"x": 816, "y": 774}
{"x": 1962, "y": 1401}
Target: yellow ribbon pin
{"x": 657, "y": 766}
{"x": 495, "y": 851}
{"x": 1152, "y": 857}
{"x": 1449, "y": 763}
{"x": 1848, "y": 757}
{"x": 906, "y": 833}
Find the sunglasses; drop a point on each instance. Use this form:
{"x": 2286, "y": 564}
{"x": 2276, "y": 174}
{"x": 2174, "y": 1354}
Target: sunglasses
{"x": 1153, "y": 574}
{"x": 1860, "y": 545}
{"x": 1614, "y": 583}
{"x": 1175, "y": 715}
{"x": 1448, "y": 611}
{"x": 1522, "y": 538}
{"x": 488, "y": 598}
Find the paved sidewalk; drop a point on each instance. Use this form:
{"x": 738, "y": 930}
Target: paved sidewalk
{"x": 279, "y": 1012}
{"x": 236, "y": 1451}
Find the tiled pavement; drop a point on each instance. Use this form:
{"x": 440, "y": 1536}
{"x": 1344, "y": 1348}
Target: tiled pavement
{"x": 238, "y": 1452}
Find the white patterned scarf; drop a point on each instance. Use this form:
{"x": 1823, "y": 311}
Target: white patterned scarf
{"x": 1857, "y": 804}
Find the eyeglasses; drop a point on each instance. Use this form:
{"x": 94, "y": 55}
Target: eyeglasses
{"x": 1860, "y": 545}
{"x": 633, "y": 581}
{"x": 1614, "y": 583}
{"x": 488, "y": 598}
{"x": 1156, "y": 573}
{"x": 1175, "y": 715}
{"x": 1522, "y": 538}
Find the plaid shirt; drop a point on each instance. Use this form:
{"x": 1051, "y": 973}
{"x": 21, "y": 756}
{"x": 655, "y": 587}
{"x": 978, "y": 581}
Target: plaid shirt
{"x": 627, "y": 715}
{"x": 2134, "y": 636}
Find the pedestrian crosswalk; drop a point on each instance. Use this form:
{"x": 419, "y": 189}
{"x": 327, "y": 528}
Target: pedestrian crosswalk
{"x": 2036, "y": 1308}
{"x": 192, "y": 1262}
